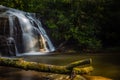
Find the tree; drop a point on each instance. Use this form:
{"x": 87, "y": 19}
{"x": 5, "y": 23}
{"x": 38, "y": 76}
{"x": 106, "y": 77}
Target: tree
{"x": 87, "y": 24}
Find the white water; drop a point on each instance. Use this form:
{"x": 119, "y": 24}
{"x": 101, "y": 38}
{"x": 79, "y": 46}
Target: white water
{"x": 25, "y": 32}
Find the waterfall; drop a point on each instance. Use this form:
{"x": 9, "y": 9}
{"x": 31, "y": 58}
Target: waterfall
{"x": 21, "y": 33}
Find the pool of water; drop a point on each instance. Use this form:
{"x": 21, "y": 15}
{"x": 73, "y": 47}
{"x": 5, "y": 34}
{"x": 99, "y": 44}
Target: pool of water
{"x": 106, "y": 65}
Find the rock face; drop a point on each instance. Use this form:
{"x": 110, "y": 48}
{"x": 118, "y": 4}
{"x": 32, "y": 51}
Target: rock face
{"x": 7, "y": 42}
{"x": 21, "y": 32}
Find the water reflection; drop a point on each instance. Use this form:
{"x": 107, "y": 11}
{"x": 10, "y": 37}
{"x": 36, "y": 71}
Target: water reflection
{"x": 106, "y": 65}
{"x": 17, "y": 74}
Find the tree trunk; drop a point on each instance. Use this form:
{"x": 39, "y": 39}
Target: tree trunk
{"x": 68, "y": 69}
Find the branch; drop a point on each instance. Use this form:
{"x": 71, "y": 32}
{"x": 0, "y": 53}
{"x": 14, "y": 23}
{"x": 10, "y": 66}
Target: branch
{"x": 22, "y": 64}
{"x": 79, "y": 63}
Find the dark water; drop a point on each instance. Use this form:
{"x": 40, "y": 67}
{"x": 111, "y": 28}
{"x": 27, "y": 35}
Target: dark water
{"x": 106, "y": 65}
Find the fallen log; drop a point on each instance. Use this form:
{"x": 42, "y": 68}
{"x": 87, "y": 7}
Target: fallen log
{"x": 68, "y": 69}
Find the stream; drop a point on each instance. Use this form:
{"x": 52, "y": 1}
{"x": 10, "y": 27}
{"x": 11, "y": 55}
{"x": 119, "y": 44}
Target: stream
{"x": 106, "y": 65}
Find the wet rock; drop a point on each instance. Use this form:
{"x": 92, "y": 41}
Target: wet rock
{"x": 96, "y": 78}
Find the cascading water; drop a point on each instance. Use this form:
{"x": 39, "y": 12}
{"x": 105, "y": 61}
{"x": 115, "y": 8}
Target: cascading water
{"x": 21, "y": 33}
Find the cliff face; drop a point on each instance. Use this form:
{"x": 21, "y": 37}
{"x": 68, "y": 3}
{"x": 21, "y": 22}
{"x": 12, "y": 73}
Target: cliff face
{"x": 8, "y": 35}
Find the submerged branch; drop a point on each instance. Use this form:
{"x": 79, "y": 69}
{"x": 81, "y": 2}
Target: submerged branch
{"x": 72, "y": 67}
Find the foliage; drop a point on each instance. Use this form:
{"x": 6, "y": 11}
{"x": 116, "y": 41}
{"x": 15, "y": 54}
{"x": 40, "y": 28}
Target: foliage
{"x": 84, "y": 23}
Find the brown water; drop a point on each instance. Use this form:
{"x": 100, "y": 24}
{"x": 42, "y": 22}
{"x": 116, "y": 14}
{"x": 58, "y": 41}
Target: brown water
{"x": 106, "y": 65}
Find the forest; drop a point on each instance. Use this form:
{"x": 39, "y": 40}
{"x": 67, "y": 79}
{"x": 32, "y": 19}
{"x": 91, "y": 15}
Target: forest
{"x": 80, "y": 24}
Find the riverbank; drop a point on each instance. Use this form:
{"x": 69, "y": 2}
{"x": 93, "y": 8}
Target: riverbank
{"x": 106, "y": 50}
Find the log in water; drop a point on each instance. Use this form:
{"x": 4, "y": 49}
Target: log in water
{"x": 72, "y": 67}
